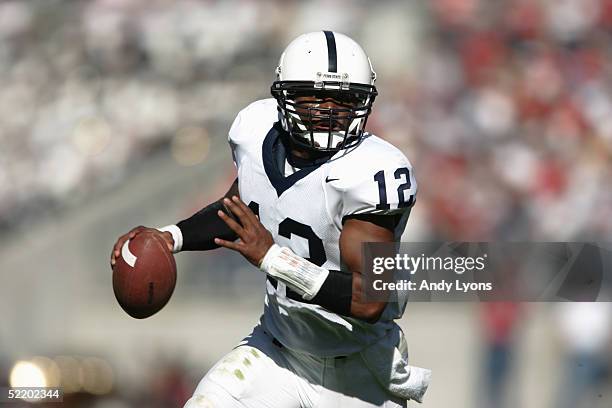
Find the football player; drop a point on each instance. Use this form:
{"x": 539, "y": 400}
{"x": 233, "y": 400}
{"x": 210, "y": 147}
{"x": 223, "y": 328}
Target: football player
{"x": 312, "y": 186}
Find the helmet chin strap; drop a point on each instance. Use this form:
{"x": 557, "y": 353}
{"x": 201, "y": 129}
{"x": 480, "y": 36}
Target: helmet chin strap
{"x": 337, "y": 138}
{"x": 298, "y": 156}
{"x": 320, "y": 137}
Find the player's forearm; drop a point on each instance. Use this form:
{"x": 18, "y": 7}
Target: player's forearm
{"x": 337, "y": 291}
{"x": 369, "y": 311}
{"x": 341, "y": 293}
{"x": 357, "y": 230}
{"x": 197, "y": 233}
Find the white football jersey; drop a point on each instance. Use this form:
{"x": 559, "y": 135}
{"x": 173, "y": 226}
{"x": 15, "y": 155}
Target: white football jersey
{"x": 304, "y": 208}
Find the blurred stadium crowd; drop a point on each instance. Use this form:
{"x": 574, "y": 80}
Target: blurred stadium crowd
{"x": 508, "y": 101}
{"x": 512, "y": 119}
{"x": 503, "y": 107}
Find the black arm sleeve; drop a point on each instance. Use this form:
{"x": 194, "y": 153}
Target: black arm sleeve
{"x": 389, "y": 222}
{"x": 200, "y": 230}
{"x": 336, "y": 293}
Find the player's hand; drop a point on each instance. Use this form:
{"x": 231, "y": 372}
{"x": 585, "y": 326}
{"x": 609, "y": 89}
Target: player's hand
{"x": 255, "y": 239}
{"x": 166, "y": 236}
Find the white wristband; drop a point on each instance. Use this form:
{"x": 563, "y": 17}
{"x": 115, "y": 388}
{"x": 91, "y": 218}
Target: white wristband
{"x": 177, "y": 236}
{"x": 302, "y": 276}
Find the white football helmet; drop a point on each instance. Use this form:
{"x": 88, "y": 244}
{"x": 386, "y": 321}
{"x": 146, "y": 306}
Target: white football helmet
{"x": 325, "y": 91}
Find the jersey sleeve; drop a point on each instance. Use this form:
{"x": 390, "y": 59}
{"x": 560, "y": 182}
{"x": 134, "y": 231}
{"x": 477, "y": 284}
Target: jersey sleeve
{"x": 250, "y": 127}
{"x": 385, "y": 186}
{"x": 233, "y": 138}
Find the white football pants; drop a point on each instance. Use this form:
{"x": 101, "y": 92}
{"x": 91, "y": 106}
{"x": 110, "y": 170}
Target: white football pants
{"x": 261, "y": 373}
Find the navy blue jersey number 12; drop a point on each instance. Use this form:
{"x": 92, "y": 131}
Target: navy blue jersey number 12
{"x": 399, "y": 174}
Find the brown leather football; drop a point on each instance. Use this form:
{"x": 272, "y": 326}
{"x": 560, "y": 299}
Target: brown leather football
{"x": 144, "y": 275}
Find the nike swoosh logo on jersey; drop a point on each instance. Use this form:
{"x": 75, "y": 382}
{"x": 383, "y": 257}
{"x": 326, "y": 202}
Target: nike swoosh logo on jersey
{"x": 327, "y": 179}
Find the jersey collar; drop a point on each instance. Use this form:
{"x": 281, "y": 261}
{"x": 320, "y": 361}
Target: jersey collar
{"x": 279, "y": 181}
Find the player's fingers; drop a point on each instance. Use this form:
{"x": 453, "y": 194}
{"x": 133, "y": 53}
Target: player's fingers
{"x": 237, "y": 211}
{"x": 135, "y": 231}
{"x": 234, "y": 226}
{"x": 120, "y": 243}
{"x": 167, "y": 238}
{"x": 129, "y": 235}
{"x": 114, "y": 255}
{"x": 249, "y": 213}
{"x": 117, "y": 248}
{"x": 229, "y": 244}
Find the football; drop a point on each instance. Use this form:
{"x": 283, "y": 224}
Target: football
{"x": 144, "y": 275}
